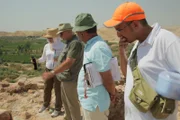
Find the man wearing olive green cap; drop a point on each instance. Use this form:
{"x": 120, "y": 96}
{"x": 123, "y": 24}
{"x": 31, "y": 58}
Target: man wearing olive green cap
{"x": 95, "y": 101}
{"x": 70, "y": 63}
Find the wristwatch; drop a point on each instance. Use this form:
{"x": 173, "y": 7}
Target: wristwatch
{"x": 53, "y": 72}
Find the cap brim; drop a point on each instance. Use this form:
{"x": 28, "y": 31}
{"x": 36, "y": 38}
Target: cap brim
{"x": 64, "y": 30}
{"x": 59, "y": 32}
{"x": 47, "y": 36}
{"x": 111, "y": 23}
{"x": 83, "y": 28}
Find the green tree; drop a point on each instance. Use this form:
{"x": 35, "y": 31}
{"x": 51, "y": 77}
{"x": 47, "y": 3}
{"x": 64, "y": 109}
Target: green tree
{"x": 1, "y": 53}
{"x": 20, "y": 48}
{"x": 27, "y": 46}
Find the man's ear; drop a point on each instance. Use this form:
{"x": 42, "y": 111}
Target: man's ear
{"x": 135, "y": 25}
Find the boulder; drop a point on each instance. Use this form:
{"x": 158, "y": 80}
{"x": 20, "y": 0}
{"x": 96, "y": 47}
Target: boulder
{"x": 5, "y": 115}
{"x": 40, "y": 86}
{"x": 32, "y": 86}
{"x": 31, "y": 91}
{"x": 4, "y": 84}
{"x": 15, "y": 88}
{"x": 26, "y": 115}
{"x": 22, "y": 80}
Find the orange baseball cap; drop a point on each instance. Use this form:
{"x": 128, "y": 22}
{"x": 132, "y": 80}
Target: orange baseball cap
{"x": 127, "y": 11}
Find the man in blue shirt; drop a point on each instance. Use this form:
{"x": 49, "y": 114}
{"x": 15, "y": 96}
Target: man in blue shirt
{"x": 95, "y": 101}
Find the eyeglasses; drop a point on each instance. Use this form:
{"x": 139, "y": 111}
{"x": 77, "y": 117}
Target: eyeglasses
{"x": 79, "y": 33}
{"x": 120, "y": 29}
{"x": 61, "y": 34}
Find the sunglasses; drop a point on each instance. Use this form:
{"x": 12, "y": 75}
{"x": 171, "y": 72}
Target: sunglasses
{"x": 121, "y": 29}
{"x": 49, "y": 38}
{"x": 61, "y": 34}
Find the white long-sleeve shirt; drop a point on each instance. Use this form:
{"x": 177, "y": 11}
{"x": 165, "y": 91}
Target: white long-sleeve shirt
{"x": 49, "y": 52}
{"x": 159, "y": 52}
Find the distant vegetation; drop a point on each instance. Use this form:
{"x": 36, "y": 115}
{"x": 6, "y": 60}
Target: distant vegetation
{"x": 14, "y": 50}
{"x": 15, "y": 53}
{"x": 20, "y": 49}
{"x": 11, "y": 71}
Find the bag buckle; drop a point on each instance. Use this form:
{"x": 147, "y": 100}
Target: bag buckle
{"x": 139, "y": 100}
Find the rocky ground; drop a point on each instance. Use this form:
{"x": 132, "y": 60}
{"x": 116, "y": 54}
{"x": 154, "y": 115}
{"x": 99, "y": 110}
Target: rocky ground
{"x": 24, "y": 98}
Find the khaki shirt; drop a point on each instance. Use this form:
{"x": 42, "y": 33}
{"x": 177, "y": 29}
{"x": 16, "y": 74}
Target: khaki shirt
{"x": 73, "y": 49}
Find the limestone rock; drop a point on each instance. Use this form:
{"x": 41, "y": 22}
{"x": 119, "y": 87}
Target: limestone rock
{"x": 4, "y": 84}
{"x": 5, "y": 115}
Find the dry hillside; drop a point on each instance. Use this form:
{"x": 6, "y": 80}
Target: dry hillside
{"x": 106, "y": 33}
{"x": 21, "y": 33}
{"x": 175, "y": 30}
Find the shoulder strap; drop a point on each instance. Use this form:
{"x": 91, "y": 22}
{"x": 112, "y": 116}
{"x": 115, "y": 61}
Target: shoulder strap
{"x": 133, "y": 59}
{"x": 137, "y": 76}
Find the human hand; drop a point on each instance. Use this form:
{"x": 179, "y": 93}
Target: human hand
{"x": 123, "y": 43}
{"x": 47, "y": 75}
{"x": 113, "y": 98}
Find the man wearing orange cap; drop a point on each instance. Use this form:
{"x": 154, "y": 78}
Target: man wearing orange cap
{"x": 155, "y": 51}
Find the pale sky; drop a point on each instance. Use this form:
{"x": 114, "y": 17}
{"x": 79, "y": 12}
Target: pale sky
{"x": 41, "y": 14}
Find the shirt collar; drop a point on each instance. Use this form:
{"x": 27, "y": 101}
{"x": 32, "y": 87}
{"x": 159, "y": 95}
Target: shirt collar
{"x": 92, "y": 40}
{"x": 151, "y": 37}
{"x": 73, "y": 38}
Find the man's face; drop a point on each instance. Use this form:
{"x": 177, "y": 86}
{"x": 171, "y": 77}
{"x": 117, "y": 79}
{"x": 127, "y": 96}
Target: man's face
{"x": 65, "y": 35}
{"x": 125, "y": 30}
{"x": 62, "y": 35}
{"x": 81, "y": 36}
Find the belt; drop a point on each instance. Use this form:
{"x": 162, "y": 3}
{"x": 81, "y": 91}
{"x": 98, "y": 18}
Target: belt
{"x": 48, "y": 70}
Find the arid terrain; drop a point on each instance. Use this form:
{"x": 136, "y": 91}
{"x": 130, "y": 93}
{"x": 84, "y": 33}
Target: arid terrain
{"x": 24, "y": 97}
{"x": 106, "y": 33}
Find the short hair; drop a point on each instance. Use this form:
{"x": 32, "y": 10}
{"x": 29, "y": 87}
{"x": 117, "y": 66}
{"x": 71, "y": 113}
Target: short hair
{"x": 143, "y": 22}
{"x": 92, "y": 30}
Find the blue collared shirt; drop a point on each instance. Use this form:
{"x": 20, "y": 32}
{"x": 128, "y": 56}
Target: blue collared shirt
{"x": 98, "y": 52}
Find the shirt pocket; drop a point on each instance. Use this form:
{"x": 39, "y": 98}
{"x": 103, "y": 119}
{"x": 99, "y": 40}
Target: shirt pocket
{"x": 62, "y": 56}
